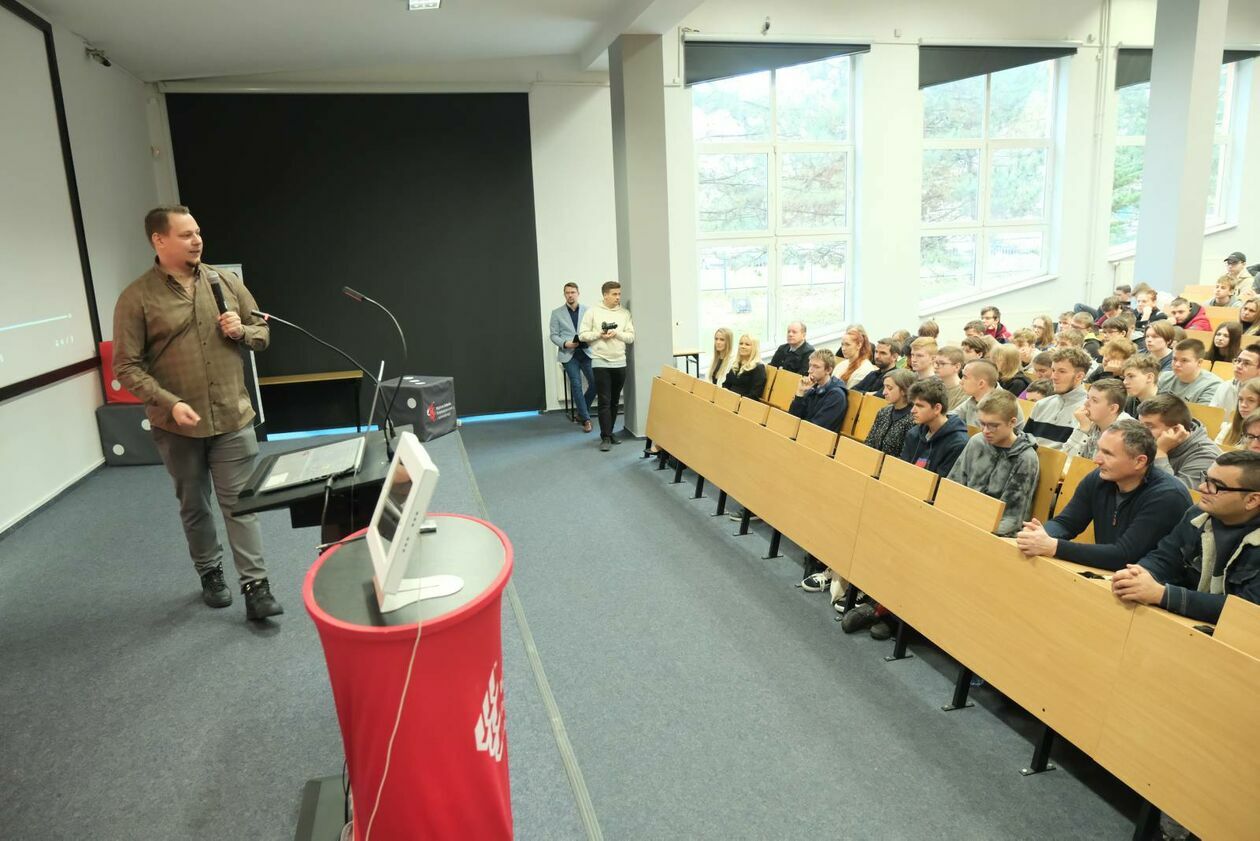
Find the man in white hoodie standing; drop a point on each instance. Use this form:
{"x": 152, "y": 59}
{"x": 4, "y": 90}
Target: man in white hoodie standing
{"x": 607, "y": 329}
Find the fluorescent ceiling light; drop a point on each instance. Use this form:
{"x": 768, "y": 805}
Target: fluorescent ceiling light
{"x": 422, "y": 5}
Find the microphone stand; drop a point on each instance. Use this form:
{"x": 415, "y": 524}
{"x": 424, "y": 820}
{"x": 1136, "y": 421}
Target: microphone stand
{"x": 268, "y": 317}
{"x": 360, "y": 297}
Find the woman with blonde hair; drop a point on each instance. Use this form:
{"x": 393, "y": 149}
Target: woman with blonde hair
{"x": 747, "y": 375}
{"x": 723, "y": 352}
{"x": 1043, "y": 328}
{"x": 855, "y": 347}
{"x": 1248, "y": 401}
{"x": 1010, "y": 369}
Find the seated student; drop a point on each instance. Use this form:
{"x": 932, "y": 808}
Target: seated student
{"x": 793, "y": 355}
{"x": 1225, "y": 342}
{"x": 1037, "y": 390}
{"x": 1250, "y": 439}
{"x": 1141, "y": 381}
{"x": 1231, "y": 434}
{"x": 1249, "y": 317}
{"x": 747, "y": 376}
{"x": 821, "y": 399}
{"x": 1160, "y": 337}
{"x": 930, "y": 329}
{"x": 1065, "y": 322}
{"x": 1132, "y": 505}
{"x": 1054, "y": 419}
{"x": 888, "y": 432}
{"x": 1237, "y": 271}
{"x": 1113, "y": 328}
{"x": 885, "y": 359}
{"x": 1246, "y": 368}
{"x": 1090, "y": 342}
{"x": 948, "y": 364}
{"x": 1110, "y": 308}
{"x": 1225, "y": 294}
{"x": 1025, "y": 341}
{"x": 973, "y": 329}
{"x": 1114, "y": 353}
{"x": 1041, "y": 364}
{"x": 1213, "y": 552}
{"x": 1011, "y": 374}
{"x": 1187, "y": 379}
{"x": 1001, "y": 462}
{"x": 902, "y": 338}
{"x": 974, "y": 347}
{"x": 936, "y": 438}
{"x": 1103, "y": 406}
{"x": 991, "y": 317}
{"x": 1043, "y": 330}
{"x": 723, "y": 354}
{"x": 979, "y": 379}
{"x": 1183, "y": 446}
{"x": 1147, "y": 311}
{"x": 923, "y": 357}
{"x": 855, "y": 348}
{"x": 1188, "y": 316}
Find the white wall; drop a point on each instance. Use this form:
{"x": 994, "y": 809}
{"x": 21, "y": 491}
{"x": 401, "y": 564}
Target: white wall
{"x": 48, "y": 438}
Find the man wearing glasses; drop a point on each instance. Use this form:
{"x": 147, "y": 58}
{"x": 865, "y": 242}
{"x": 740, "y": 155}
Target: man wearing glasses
{"x": 1246, "y": 367}
{"x": 1213, "y": 552}
{"x": 1236, "y": 270}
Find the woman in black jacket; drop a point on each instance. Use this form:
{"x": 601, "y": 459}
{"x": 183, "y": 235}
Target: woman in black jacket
{"x": 747, "y": 376}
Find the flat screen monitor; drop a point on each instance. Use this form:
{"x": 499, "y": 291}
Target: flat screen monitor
{"x": 399, "y": 518}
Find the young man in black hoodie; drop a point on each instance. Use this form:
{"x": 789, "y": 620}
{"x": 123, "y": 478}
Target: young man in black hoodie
{"x": 937, "y": 438}
{"x": 1131, "y": 504}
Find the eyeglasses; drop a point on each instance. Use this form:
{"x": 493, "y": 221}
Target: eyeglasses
{"x": 1211, "y": 486}
{"x": 1240, "y": 360}
{"x": 1246, "y": 438}
{"x": 989, "y": 426}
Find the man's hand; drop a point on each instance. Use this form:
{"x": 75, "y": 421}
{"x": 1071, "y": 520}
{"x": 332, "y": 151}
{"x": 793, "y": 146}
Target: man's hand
{"x": 1033, "y": 540}
{"x": 1171, "y": 438}
{"x": 1082, "y": 419}
{"x": 804, "y": 386}
{"x": 230, "y": 324}
{"x": 608, "y": 334}
{"x": 1135, "y": 584}
{"x": 570, "y": 345}
{"x": 184, "y": 414}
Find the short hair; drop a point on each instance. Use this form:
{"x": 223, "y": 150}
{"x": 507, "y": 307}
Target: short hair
{"x": 989, "y": 341}
{"x": 1248, "y": 461}
{"x": 954, "y": 355}
{"x": 1045, "y": 359}
{"x": 931, "y": 390}
{"x": 1192, "y": 345}
{"x": 930, "y": 328}
{"x": 1112, "y": 389}
{"x": 158, "y": 220}
{"x": 1118, "y": 347}
{"x": 892, "y": 344}
{"x": 1129, "y": 319}
{"x": 1125, "y": 289}
{"x": 826, "y": 357}
{"x": 1231, "y": 282}
{"x": 1111, "y": 302}
{"x": 1074, "y": 356}
{"x": 1170, "y": 408}
{"x": 974, "y": 324}
{"x": 1082, "y": 321}
{"x": 1252, "y": 349}
{"x": 997, "y": 313}
{"x": 904, "y": 378}
{"x": 608, "y": 286}
{"x": 574, "y": 285}
{"x": 1178, "y": 302}
{"x": 985, "y": 370}
{"x": 1142, "y": 290}
{"x": 1136, "y": 439}
{"x": 802, "y": 325}
{"x": 1143, "y": 362}
{"x": 1066, "y": 315}
{"x": 1115, "y": 323}
{"x": 924, "y": 342}
{"x": 1163, "y": 328}
{"x": 900, "y": 336}
{"x": 999, "y": 402}
{"x": 1024, "y": 336}
{"x": 977, "y": 344}
{"x": 1005, "y": 359}
{"x": 1073, "y": 337}
{"x": 1043, "y": 387}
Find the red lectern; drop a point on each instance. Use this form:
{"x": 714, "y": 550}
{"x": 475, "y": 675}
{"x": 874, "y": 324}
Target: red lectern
{"x": 447, "y": 774}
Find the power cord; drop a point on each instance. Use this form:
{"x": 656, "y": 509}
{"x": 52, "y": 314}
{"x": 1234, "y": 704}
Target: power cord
{"x": 397, "y": 719}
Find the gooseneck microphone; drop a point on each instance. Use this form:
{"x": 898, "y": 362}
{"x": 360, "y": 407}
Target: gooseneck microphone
{"x": 359, "y": 297}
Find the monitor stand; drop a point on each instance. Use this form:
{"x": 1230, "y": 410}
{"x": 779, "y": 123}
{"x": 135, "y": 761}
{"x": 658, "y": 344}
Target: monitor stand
{"x": 412, "y": 590}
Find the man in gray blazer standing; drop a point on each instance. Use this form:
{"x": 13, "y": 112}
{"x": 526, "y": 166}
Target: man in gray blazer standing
{"x": 572, "y": 353}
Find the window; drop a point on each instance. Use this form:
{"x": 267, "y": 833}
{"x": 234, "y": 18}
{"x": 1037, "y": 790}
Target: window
{"x": 774, "y": 199}
{"x": 988, "y": 165}
{"x": 1132, "y": 106}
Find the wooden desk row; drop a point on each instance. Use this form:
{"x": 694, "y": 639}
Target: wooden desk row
{"x": 1169, "y": 710}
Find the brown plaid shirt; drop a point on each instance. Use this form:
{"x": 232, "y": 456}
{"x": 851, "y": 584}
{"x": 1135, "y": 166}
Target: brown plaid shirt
{"x": 168, "y": 349}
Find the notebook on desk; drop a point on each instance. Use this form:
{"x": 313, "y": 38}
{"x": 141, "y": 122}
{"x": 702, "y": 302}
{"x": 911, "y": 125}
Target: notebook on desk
{"x": 313, "y": 464}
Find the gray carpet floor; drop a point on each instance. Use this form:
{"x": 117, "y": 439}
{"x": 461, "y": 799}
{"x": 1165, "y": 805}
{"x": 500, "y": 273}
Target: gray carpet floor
{"x": 703, "y": 694}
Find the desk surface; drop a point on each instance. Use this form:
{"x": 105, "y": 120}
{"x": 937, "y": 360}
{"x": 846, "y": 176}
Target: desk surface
{"x": 326, "y": 376}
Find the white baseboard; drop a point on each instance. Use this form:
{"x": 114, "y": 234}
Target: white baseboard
{"x": 49, "y": 497}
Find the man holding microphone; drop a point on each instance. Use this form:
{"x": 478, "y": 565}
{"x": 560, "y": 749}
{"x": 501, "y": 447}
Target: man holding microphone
{"x": 178, "y": 352}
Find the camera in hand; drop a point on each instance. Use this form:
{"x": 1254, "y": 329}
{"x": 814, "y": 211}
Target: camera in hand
{"x": 608, "y": 325}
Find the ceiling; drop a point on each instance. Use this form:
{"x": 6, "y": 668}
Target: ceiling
{"x": 179, "y": 40}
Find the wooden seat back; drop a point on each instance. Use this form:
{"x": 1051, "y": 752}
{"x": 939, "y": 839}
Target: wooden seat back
{"x": 1219, "y": 315}
{"x": 754, "y": 410}
{"x": 726, "y": 399}
{"x": 814, "y": 437}
{"x": 771, "y": 373}
{"x": 670, "y": 374}
{"x": 685, "y": 381}
{"x": 851, "y": 411}
{"x": 782, "y": 423}
{"x": 1027, "y": 405}
{"x": 1210, "y": 416}
{"x": 783, "y": 392}
{"x": 1224, "y": 370}
{"x": 1053, "y": 463}
{"x": 1204, "y": 336}
{"x": 704, "y": 390}
{"x": 910, "y": 480}
{"x": 866, "y": 416}
{"x": 971, "y": 506}
{"x": 855, "y": 454}
{"x": 1239, "y": 625}
{"x": 1078, "y": 468}
{"x": 1198, "y": 292}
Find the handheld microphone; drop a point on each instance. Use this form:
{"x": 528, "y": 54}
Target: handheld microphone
{"x": 216, "y": 287}
{"x": 359, "y": 297}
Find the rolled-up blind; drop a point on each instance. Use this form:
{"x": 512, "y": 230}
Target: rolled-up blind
{"x": 1133, "y": 66}
{"x": 707, "y": 61}
{"x": 939, "y": 65}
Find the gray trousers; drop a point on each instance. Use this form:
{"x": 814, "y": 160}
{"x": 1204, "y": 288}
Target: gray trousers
{"x": 226, "y": 462}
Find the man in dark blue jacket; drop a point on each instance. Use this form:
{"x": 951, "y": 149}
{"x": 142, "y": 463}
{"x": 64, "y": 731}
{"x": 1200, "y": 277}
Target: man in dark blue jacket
{"x": 1131, "y": 504}
{"x": 1212, "y": 553}
{"x": 936, "y": 439}
{"x": 821, "y": 398}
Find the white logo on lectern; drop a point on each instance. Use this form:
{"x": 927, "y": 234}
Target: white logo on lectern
{"x": 488, "y": 733}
